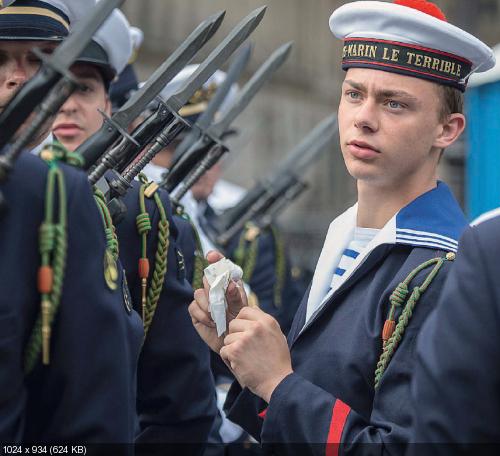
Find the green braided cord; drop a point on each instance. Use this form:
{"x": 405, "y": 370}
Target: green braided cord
{"x": 200, "y": 262}
{"x": 280, "y": 266}
{"x": 143, "y": 221}
{"x": 240, "y": 252}
{"x": 109, "y": 227}
{"x": 53, "y": 241}
{"x": 60, "y": 153}
{"x": 398, "y": 298}
{"x": 245, "y": 255}
{"x": 250, "y": 260}
{"x": 396, "y": 337}
{"x": 160, "y": 268}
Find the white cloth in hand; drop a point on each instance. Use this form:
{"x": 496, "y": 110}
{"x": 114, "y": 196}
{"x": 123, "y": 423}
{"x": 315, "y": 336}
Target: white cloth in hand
{"x": 218, "y": 276}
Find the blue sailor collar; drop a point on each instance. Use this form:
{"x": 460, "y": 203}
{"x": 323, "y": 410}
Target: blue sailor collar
{"x": 433, "y": 220}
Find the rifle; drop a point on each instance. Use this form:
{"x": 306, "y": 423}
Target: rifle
{"x": 233, "y": 74}
{"x": 174, "y": 124}
{"x": 115, "y": 127}
{"x": 270, "y": 193}
{"x": 209, "y": 148}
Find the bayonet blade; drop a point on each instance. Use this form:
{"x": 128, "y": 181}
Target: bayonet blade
{"x": 166, "y": 72}
{"x": 93, "y": 148}
{"x": 233, "y": 74}
{"x": 318, "y": 138}
{"x": 267, "y": 69}
{"x": 216, "y": 58}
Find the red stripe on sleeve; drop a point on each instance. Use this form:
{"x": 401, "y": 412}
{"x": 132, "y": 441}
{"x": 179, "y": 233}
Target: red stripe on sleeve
{"x": 339, "y": 417}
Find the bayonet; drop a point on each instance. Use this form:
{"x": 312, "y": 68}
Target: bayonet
{"x": 175, "y": 124}
{"x": 216, "y": 58}
{"x": 267, "y": 217}
{"x": 97, "y": 144}
{"x": 264, "y": 194}
{"x": 261, "y": 76}
{"x": 234, "y": 72}
{"x": 212, "y": 136}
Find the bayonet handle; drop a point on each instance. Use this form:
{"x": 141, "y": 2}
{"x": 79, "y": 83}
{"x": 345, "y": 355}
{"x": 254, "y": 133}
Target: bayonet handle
{"x": 144, "y": 134}
{"x": 94, "y": 148}
{"x": 188, "y": 161}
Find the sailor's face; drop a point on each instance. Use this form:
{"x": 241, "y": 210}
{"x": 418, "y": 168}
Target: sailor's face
{"x": 389, "y": 125}
{"x": 79, "y": 116}
{"x": 18, "y": 64}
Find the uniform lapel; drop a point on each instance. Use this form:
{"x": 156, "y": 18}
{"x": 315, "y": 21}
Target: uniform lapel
{"x": 370, "y": 261}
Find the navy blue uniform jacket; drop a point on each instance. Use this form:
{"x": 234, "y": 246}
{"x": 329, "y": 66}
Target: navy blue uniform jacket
{"x": 175, "y": 397}
{"x": 456, "y": 387}
{"x": 87, "y": 393}
{"x": 330, "y": 398}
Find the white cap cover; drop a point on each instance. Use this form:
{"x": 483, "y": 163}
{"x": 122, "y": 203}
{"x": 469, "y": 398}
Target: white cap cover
{"x": 409, "y": 37}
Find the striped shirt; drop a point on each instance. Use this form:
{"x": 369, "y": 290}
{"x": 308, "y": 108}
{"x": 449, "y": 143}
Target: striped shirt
{"x": 362, "y": 237}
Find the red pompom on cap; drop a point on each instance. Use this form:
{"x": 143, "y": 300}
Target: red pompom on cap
{"x": 424, "y": 6}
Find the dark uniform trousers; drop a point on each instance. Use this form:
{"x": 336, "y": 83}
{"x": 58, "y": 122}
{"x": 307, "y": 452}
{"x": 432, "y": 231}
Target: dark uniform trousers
{"x": 87, "y": 394}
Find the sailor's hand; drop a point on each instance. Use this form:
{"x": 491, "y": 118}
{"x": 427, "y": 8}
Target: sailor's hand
{"x": 257, "y": 352}
{"x": 200, "y": 315}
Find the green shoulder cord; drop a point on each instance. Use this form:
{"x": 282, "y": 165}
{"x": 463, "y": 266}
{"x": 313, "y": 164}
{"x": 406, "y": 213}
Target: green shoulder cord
{"x": 56, "y": 151}
{"x": 245, "y": 254}
{"x": 59, "y": 152}
{"x": 112, "y": 246}
{"x": 200, "y": 262}
{"x": 392, "y": 334}
{"x": 53, "y": 247}
{"x": 109, "y": 227}
{"x": 280, "y": 266}
{"x": 143, "y": 221}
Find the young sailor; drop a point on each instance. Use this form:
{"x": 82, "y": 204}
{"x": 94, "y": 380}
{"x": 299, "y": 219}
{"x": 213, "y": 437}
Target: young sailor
{"x": 75, "y": 382}
{"x": 345, "y": 375}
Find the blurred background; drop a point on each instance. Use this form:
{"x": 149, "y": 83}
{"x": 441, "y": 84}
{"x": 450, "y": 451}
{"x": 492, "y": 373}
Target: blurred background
{"x": 306, "y": 90}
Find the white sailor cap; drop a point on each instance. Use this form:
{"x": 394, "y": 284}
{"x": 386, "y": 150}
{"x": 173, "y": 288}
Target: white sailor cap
{"x": 490, "y": 76}
{"x": 126, "y": 83}
{"x": 41, "y": 20}
{"x": 199, "y": 101}
{"x": 409, "y": 37}
{"x": 111, "y": 47}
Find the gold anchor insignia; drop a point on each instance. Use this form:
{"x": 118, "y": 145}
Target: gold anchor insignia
{"x": 110, "y": 270}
